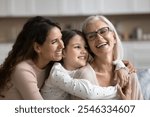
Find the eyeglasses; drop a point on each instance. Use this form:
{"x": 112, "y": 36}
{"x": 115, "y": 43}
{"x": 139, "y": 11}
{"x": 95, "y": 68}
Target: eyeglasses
{"x": 102, "y": 31}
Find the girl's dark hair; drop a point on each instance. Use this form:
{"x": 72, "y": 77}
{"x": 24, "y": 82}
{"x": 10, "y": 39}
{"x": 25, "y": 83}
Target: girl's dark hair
{"x": 68, "y": 34}
{"x": 34, "y": 30}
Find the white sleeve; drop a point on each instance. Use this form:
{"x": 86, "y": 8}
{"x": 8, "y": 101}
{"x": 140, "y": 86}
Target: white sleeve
{"x": 119, "y": 64}
{"x": 80, "y": 87}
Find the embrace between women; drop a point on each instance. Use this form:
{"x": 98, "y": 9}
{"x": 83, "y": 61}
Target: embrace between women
{"x": 31, "y": 64}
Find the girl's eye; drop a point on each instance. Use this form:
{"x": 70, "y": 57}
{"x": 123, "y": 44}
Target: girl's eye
{"x": 77, "y": 46}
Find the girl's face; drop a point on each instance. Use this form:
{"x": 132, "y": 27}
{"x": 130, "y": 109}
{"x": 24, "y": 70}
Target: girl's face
{"x": 51, "y": 50}
{"x": 75, "y": 54}
{"x": 100, "y": 38}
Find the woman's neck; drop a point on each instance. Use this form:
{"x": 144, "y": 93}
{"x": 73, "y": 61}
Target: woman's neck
{"x": 102, "y": 64}
{"x": 40, "y": 63}
{"x": 104, "y": 70}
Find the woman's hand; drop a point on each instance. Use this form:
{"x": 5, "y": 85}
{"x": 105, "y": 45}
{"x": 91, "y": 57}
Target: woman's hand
{"x": 125, "y": 92}
{"x": 121, "y": 77}
{"x": 130, "y": 66}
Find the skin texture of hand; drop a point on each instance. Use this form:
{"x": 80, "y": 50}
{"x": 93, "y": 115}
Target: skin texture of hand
{"x": 125, "y": 92}
{"x": 121, "y": 77}
{"x": 130, "y": 66}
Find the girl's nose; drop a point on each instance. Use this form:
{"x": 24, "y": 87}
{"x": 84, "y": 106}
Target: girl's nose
{"x": 84, "y": 51}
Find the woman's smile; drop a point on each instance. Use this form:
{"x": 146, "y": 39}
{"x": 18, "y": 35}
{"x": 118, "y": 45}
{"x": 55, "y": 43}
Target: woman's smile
{"x": 102, "y": 45}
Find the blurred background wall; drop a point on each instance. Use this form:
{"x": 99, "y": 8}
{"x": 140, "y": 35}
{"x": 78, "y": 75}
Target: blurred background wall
{"x": 130, "y": 17}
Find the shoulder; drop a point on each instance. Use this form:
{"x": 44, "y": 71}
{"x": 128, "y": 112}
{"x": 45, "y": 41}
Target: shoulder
{"x": 25, "y": 67}
{"x": 28, "y": 64}
{"x": 88, "y": 69}
{"x": 57, "y": 66}
{"x": 87, "y": 72}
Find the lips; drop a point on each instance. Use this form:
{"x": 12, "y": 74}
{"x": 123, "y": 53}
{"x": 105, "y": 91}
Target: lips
{"x": 101, "y": 45}
{"x": 59, "y": 52}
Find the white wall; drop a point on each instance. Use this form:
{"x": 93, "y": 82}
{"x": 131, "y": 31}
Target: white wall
{"x": 4, "y": 49}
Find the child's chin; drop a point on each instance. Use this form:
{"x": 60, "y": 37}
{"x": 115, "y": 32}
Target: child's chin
{"x": 83, "y": 64}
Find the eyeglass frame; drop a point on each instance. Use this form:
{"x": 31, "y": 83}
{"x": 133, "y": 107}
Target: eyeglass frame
{"x": 98, "y": 32}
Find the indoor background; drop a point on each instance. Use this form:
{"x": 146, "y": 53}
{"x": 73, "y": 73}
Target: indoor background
{"x": 130, "y": 17}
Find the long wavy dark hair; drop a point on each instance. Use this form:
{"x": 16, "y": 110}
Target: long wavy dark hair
{"x": 35, "y": 30}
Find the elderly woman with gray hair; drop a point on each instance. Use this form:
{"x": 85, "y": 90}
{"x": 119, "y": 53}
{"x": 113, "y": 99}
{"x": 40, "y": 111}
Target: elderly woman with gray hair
{"x": 106, "y": 49}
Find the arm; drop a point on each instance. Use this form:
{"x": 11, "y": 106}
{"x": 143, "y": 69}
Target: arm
{"x": 26, "y": 83}
{"x": 125, "y": 92}
{"x": 132, "y": 90}
{"x": 121, "y": 73}
{"x": 80, "y": 87}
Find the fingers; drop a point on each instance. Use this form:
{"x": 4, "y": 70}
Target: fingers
{"x": 115, "y": 76}
{"x": 130, "y": 66}
{"x": 122, "y": 77}
{"x": 128, "y": 90}
{"x": 126, "y": 80}
{"x": 125, "y": 91}
{"x": 128, "y": 87}
{"x": 120, "y": 93}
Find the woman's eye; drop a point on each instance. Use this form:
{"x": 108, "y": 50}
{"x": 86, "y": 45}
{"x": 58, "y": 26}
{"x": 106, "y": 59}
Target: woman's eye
{"x": 91, "y": 36}
{"x": 54, "y": 41}
{"x": 102, "y": 31}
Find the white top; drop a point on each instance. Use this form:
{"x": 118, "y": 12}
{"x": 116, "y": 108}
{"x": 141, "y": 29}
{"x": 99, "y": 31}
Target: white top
{"x": 77, "y": 83}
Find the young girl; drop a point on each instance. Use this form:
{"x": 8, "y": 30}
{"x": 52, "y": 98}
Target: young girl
{"x": 69, "y": 75}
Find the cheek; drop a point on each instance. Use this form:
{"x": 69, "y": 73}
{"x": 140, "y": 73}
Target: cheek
{"x": 91, "y": 46}
{"x": 113, "y": 37}
{"x": 68, "y": 55}
{"x": 49, "y": 52}
{"x": 114, "y": 41}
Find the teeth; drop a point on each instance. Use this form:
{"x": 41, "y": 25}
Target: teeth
{"x": 101, "y": 44}
{"x": 60, "y": 52}
{"x": 82, "y": 57}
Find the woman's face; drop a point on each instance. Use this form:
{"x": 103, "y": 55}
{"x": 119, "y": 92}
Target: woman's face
{"x": 75, "y": 54}
{"x": 100, "y": 38}
{"x": 51, "y": 50}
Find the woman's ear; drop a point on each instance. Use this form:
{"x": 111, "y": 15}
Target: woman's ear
{"x": 36, "y": 47}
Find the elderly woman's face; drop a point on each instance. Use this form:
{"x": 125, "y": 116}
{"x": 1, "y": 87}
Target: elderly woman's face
{"x": 100, "y": 37}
